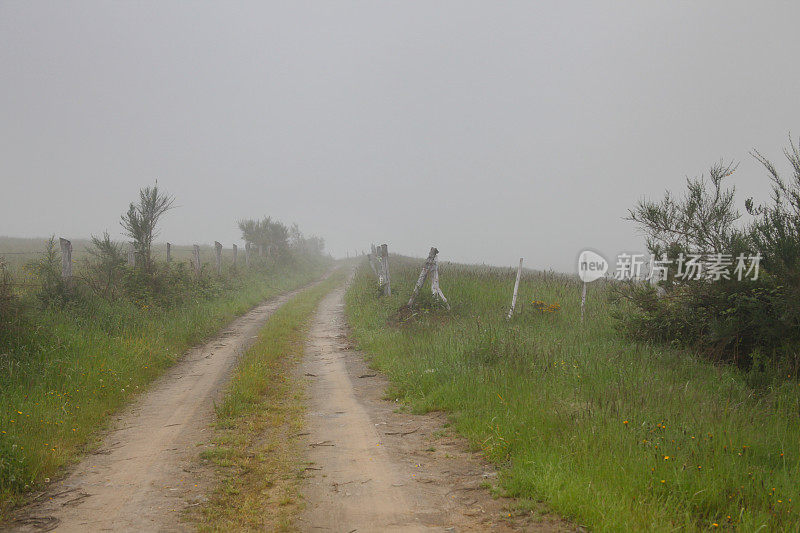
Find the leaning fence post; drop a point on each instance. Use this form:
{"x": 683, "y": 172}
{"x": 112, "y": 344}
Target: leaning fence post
{"x": 516, "y": 289}
{"x": 169, "y": 252}
{"x": 196, "y": 259}
{"x": 218, "y": 253}
{"x": 387, "y": 282}
{"x": 235, "y": 254}
{"x": 66, "y": 260}
{"x": 131, "y": 255}
{"x": 423, "y": 274}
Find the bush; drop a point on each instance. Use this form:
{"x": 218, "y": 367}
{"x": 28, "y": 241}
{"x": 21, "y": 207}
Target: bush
{"x": 753, "y": 322}
{"x": 52, "y": 289}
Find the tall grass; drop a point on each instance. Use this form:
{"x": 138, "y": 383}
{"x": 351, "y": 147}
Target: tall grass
{"x": 71, "y": 366}
{"x": 615, "y": 435}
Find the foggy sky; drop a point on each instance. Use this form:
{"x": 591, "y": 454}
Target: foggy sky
{"x": 492, "y": 130}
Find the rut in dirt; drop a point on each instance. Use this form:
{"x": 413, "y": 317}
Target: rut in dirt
{"x": 372, "y": 467}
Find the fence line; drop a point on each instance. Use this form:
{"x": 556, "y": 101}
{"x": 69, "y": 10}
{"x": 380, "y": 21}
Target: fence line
{"x": 67, "y": 260}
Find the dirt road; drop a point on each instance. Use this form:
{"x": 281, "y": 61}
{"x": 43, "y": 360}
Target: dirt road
{"x": 145, "y": 472}
{"x": 372, "y": 468}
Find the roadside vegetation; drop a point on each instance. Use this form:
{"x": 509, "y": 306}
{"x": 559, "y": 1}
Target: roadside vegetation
{"x": 71, "y": 353}
{"x": 611, "y": 433}
{"x": 754, "y": 323}
{"x": 257, "y": 459}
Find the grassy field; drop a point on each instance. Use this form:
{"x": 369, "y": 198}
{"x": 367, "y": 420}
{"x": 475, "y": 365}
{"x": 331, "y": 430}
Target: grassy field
{"x": 611, "y": 434}
{"x": 71, "y": 366}
{"x": 258, "y": 464}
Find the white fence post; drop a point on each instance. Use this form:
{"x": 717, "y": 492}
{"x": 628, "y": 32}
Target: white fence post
{"x": 386, "y": 279}
{"x": 516, "y": 289}
{"x": 435, "y": 289}
{"x": 423, "y": 274}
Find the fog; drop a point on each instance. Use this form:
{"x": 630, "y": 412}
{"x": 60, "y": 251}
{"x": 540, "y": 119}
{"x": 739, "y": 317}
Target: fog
{"x": 492, "y": 130}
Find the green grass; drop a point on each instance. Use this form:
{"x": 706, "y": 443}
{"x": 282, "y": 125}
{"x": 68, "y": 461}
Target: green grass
{"x": 257, "y": 460}
{"x": 70, "y": 367}
{"x": 611, "y": 434}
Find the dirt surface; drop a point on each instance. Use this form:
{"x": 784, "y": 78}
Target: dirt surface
{"x": 146, "y": 471}
{"x": 374, "y": 468}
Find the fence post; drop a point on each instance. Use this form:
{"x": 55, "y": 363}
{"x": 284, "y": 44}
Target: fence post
{"x": 235, "y": 254}
{"x": 247, "y": 254}
{"x": 66, "y": 260}
{"x": 196, "y": 259}
{"x": 372, "y": 265}
{"x": 423, "y": 274}
{"x": 435, "y": 289}
{"x": 218, "y": 253}
{"x": 372, "y": 256}
{"x": 260, "y": 250}
{"x": 169, "y": 252}
{"x": 387, "y": 281}
{"x": 131, "y": 255}
{"x": 516, "y": 289}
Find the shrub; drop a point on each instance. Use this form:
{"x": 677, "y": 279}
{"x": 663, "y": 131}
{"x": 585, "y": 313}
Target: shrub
{"x": 47, "y": 269}
{"x": 750, "y": 322}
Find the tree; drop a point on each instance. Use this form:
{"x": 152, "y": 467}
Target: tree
{"x": 269, "y": 233}
{"x": 701, "y": 222}
{"x": 141, "y": 221}
{"x": 776, "y": 231}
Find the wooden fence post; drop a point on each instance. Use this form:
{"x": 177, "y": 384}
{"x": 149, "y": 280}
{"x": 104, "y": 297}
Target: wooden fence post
{"x": 131, "y": 255}
{"x": 435, "y": 289}
{"x": 386, "y": 280}
{"x": 516, "y": 289}
{"x": 429, "y": 268}
{"x": 247, "y": 254}
{"x": 423, "y": 274}
{"x": 66, "y": 260}
{"x": 260, "y": 250}
{"x": 196, "y": 259}
{"x": 235, "y": 254}
{"x": 218, "y": 253}
{"x": 372, "y": 256}
{"x": 372, "y": 265}
{"x": 169, "y": 252}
